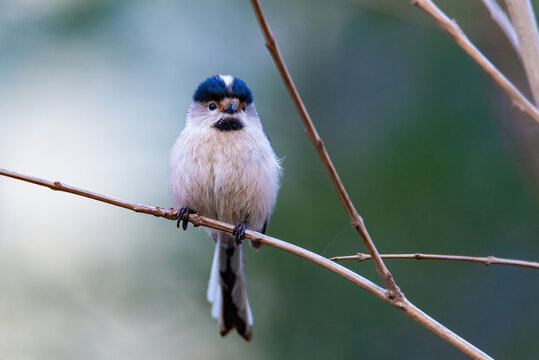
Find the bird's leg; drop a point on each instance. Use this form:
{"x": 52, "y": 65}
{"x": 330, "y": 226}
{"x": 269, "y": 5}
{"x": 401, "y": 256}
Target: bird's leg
{"x": 239, "y": 231}
{"x": 183, "y": 215}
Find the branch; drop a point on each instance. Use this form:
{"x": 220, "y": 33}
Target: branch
{"x": 462, "y": 40}
{"x": 500, "y": 17}
{"x": 488, "y": 260}
{"x": 402, "y": 304}
{"x": 198, "y": 220}
{"x": 521, "y": 13}
{"x": 356, "y": 219}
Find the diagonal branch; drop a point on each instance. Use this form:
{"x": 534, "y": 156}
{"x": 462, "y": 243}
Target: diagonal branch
{"x": 197, "y": 220}
{"x": 521, "y": 12}
{"x": 356, "y": 219}
{"x": 402, "y": 304}
{"x": 500, "y": 17}
{"x": 462, "y": 40}
{"x": 487, "y": 260}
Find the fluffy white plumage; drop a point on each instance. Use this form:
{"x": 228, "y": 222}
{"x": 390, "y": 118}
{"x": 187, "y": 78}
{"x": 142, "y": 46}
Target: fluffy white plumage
{"x": 229, "y": 173}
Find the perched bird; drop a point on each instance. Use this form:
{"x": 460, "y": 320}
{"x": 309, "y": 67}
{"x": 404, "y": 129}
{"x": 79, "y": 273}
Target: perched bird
{"x": 222, "y": 166}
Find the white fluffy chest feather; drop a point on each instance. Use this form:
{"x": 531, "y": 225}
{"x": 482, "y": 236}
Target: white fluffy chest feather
{"x": 231, "y": 176}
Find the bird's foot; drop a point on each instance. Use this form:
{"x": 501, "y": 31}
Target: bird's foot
{"x": 183, "y": 215}
{"x": 239, "y": 232}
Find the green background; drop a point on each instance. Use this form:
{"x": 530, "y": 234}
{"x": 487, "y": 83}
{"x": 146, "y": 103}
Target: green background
{"x": 435, "y": 158}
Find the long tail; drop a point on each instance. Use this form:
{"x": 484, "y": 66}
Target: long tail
{"x": 227, "y": 291}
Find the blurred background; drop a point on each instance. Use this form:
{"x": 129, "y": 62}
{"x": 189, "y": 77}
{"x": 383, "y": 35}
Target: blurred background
{"x": 94, "y": 93}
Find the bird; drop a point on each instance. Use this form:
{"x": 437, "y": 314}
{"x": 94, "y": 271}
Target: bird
{"x": 222, "y": 166}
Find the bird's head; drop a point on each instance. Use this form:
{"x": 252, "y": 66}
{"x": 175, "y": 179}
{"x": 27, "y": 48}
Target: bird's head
{"x": 224, "y": 103}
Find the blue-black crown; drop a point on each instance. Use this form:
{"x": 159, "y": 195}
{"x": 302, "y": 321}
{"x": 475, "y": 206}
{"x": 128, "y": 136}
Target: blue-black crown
{"x": 215, "y": 89}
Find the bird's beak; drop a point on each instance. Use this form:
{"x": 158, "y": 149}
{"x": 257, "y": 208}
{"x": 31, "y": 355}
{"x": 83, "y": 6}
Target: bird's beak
{"x": 230, "y": 109}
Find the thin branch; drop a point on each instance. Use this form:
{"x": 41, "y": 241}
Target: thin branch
{"x": 500, "y": 17}
{"x": 488, "y": 260}
{"x": 521, "y": 13}
{"x": 198, "y": 220}
{"x": 356, "y": 219}
{"x": 402, "y": 304}
{"x": 462, "y": 40}
{"x": 170, "y": 214}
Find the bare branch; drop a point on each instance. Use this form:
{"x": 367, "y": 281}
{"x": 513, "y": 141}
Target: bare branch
{"x": 500, "y": 17}
{"x": 462, "y": 40}
{"x": 198, "y": 220}
{"x": 170, "y": 214}
{"x": 488, "y": 260}
{"x": 402, "y": 304}
{"x": 356, "y": 219}
{"x": 523, "y": 18}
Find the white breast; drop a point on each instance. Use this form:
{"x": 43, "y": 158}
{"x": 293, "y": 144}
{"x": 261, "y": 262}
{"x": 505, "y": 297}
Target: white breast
{"x": 231, "y": 176}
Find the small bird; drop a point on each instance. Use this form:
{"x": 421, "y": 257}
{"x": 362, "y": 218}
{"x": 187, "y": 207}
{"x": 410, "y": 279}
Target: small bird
{"x": 222, "y": 166}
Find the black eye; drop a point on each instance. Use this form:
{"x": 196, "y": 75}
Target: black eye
{"x": 243, "y": 107}
{"x": 212, "y": 106}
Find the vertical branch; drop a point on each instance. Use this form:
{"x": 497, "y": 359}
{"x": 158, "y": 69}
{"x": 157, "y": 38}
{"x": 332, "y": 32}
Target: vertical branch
{"x": 522, "y": 15}
{"x": 356, "y": 219}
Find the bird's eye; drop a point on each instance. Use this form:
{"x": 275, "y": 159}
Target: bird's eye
{"x": 212, "y": 106}
{"x": 243, "y": 107}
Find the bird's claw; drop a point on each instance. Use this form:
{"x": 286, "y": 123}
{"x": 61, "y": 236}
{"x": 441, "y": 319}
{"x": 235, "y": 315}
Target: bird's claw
{"x": 239, "y": 232}
{"x": 183, "y": 215}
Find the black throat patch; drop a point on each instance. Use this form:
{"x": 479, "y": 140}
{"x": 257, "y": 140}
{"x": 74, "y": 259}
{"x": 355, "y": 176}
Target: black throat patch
{"x": 228, "y": 124}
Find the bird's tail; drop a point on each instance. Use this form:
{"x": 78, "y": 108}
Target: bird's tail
{"x": 227, "y": 291}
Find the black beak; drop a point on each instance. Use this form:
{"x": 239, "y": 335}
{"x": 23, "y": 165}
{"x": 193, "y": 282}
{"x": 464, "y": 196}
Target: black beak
{"x": 230, "y": 109}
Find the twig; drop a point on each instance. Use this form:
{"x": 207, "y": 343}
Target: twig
{"x": 488, "y": 260}
{"x": 521, "y": 13}
{"x": 170, "y": 214}
{"x": 356, "y": 219}
{"x": 500, "y": 17}
{"x": 198, "y": 220}
{"x": 402, "y": 304}
{"x": 462, "y": 40}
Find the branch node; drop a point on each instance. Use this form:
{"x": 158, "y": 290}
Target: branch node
{"x": 395, "y": 297}
{"x": 318, "y": 143}
{"x": 271, "y": 44}
{"x": 518, "y": 105}
{"x": 400, "y": 304}
{"x": 394, "y": 293}
{"x": 357, "y": 221}
{"x": 361, "y": 257}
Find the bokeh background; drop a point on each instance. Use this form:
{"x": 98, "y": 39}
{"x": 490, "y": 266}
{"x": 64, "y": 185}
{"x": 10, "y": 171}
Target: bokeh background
{"x": 94, "y": 93}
